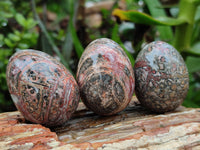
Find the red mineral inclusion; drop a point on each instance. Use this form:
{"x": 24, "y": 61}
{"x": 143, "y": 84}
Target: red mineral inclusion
{"x": 43, "y": 90}
{"x": 105, "y": 77}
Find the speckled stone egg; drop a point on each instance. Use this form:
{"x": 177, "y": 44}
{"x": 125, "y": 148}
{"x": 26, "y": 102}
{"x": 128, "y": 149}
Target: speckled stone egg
{"x": 161, "y": 77}
{"x": 43, "y": 90}
{"x": 105, "y": 77}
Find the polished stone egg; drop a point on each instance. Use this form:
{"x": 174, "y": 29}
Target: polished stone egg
{"x": 105, "y": 77}
{"x": 161, "y": 77}
{"x": 43, "y": 90}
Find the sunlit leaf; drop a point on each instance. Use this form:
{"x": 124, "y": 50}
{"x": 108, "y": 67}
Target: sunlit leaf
{"x": 20, "y": 19}
{"x": 9, "y": 43}
{"x": 13, "y": 37}
{"x": 16, "y": 32}
{"x": 143, "y": 18}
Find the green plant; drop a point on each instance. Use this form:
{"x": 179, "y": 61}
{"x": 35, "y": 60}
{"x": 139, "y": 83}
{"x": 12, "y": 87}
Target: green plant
{"x": 185, "y": 22}
{"x": 185, "y": 38}
{"x": 25, "y": 38}
{"x": 20, "y": 32}
{"x": 4, "y": 94}
{"x": 5, "y": 12}
{"x": 71, "y": 35}
{"x": 13, "y": 38}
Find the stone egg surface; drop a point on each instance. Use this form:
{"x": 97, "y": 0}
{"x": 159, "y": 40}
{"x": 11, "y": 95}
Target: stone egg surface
{"x": 105, "y": 77}
{"x": 161, "y": 75}
{"x": 43, "y": 90}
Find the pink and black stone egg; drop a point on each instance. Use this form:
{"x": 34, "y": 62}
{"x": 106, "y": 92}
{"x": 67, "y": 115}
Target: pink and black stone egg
{"x": 105, "y": 77}
{"x": 43, "y": 90}
{"x": 161, "y": 75}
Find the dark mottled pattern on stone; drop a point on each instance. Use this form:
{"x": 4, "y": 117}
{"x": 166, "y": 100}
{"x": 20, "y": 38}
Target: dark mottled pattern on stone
{"x": 105, "y": 77}
{"x": 41, "y": 88}
{"x": 161, "y": 76}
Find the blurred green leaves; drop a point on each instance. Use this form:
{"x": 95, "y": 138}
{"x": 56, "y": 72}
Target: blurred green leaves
{"x": 5, "y": 12}
{"x": 182, "y": 32}
{"x": 26, "y": 23}
{"x": 17, "y": 33}
{"x": 25, "y": 38}
{"x": 193, "y": 64}
{"x": 71, "y": 35}
{"x": 193, "y": 96}
{"x": 78, "y": 46}
{"x": 184, "y": 23}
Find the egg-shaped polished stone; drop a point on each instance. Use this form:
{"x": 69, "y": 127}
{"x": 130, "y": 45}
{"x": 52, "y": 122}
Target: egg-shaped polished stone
{"x": 43, "y": 90}
{"x": 161, "y": 77}
{"x": 105, "y": 77}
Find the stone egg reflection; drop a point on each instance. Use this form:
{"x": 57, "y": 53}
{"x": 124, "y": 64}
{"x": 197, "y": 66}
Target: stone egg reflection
{"x": 105, "y": 77}
{"x": 43, "y": 90}
{"x": 161, "y": 77}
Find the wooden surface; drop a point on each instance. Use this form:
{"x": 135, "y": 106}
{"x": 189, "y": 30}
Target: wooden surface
{"x": 133, "y": 128}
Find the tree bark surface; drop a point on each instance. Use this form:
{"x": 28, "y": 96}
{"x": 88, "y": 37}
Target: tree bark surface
{"x": 133, "y": 128}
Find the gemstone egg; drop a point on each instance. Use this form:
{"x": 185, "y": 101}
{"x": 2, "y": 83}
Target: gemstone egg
{"x": 161, "y": 77}
{"x": 43, "y": 90}
{"x": 105, "y": 77}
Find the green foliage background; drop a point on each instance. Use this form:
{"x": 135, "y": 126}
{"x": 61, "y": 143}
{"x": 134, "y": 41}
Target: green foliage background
{"x": 26, "y": 25}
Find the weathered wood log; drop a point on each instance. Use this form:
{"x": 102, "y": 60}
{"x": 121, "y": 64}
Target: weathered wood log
{"x": 133, "y": 128}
